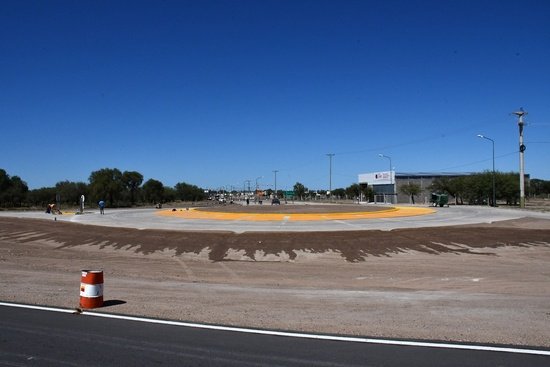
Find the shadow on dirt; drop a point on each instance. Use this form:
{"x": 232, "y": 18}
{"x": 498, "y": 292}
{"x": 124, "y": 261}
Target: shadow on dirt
{"x": 113, "y": 302}
{"x": 354, "y": 246}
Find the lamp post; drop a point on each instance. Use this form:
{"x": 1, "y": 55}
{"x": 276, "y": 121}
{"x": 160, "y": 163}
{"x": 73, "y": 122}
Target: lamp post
{"x": 391, "y": 176}
{"x": 330, "y": 155}
{"x": 257, "y": 178}
{"x": 520, "y": 115}
{"x": 257, "y": 194}
{"x": 493, "y": 142}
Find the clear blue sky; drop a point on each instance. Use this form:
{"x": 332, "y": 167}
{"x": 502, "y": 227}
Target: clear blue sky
{"x": 214, "y": 93}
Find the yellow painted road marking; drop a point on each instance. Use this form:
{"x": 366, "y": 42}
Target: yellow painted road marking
{"x": 401, "y": 211}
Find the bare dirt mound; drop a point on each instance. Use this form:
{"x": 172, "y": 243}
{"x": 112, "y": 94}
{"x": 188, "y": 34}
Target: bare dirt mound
{"x": 292, "y": 209}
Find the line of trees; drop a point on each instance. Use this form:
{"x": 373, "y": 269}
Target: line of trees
{"x": 352, "y": 192}
{"x": 13, "y": 190}
{"x": 118, "y": 189}
{"x": 478, "y": 188}
{"x": 124, "y": 189}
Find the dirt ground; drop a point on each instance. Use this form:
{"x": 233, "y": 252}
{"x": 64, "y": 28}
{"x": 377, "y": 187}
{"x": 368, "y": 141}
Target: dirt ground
{"x": 479, "y": 283}
{"x": 292, "y": 208}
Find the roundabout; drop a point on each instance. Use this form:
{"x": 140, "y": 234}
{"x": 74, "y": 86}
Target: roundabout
{"x": 289, "y": 218}
{"x": 300, "y": 213}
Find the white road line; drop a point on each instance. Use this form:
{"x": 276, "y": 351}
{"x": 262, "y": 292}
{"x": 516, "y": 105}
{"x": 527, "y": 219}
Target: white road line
{"x": 291, "y": 334}
{"x": 41, "y": 308}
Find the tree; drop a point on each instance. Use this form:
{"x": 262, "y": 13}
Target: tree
{"x": 41, "y": 197}
{"x": 507, "y": 185}
{"x": 299, "y": 190}
{"x": 477, "y": 188}
{"x": 354, "y": 191}
{"x": 153, "y": 191}
{"x": 132, "y": 180}
{"x": 70, "y": 192}
{"x": 169, "y": 195}
{"x": 338, "y": 193}
{"x": 13, "y": 190}
{"x": 187, "y": 192}
{"x": 455, "y": 187}
{"x": 411, "y": 189}
{"x": 538, "y": 187}
{"x": 5, "y": 181}
{"x": 107, "y": 184}
{"x": 5, "y": 185}
{"x": 17, "y": 193}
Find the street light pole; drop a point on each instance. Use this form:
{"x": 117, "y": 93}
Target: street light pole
{"x": 330, "y": 155}
{"x": 275, "y": 172}
{"x": 391, "y": 176}
{"x": 257, "y": 178}
{"x": 256, "y": 194}
{"x": 520, "y": 115}
{"x": 493, "y": 142}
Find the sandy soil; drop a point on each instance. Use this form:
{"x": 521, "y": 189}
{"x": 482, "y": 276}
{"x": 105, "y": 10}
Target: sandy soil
{"x": 292, "y": 208}
{"x": 482, "y": 283}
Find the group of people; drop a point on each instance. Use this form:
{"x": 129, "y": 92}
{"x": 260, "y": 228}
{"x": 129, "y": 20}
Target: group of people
{"x": 53, "y": 209}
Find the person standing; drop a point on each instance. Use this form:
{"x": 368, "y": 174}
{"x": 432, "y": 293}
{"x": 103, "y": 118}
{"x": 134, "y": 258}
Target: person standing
{"x": 101, "y": 207}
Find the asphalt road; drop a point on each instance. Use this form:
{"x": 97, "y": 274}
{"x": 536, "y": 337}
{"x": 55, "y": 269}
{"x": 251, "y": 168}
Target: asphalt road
{"x": 45, "y": 338}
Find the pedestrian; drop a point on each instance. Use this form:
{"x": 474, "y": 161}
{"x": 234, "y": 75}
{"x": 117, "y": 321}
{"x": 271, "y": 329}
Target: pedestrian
{"x": 247, "y": 201}
{"x": 101, "y": 207}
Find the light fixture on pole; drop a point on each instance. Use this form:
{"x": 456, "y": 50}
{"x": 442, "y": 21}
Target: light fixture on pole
{"x": 493, "y": 142}
{"x": 520, "y": 115}
{"x": 391, "y": 176}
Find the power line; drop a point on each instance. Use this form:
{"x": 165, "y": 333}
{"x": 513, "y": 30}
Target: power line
{"x": 438, "y": 136}
{"x": 477, "y": 162}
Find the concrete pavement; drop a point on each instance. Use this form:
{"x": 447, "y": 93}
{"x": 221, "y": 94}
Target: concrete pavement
{"x": 150, "y": 219}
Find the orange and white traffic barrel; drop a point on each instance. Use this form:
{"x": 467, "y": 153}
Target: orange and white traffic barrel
{"x": 91, "y": 289}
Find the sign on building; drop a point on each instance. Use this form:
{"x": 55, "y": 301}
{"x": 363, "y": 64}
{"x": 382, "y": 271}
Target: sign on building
{"x": 378, "y": 178}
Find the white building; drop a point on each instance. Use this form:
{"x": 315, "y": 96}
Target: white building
{"x": 386, "y": 184}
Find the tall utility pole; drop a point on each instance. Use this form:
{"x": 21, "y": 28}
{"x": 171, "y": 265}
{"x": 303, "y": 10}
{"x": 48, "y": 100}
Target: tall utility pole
{"x": 520, "y": 115}
{"x": 494, "y": 191}
{"x": 330, "y": 155}
{"x": 275, "y": 172}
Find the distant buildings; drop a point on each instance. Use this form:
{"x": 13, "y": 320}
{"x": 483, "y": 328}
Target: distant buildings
{"x": 387, "y": 184}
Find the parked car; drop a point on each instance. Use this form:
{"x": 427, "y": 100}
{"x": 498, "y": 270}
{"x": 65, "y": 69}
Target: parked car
{"x": 275, "y": 201}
